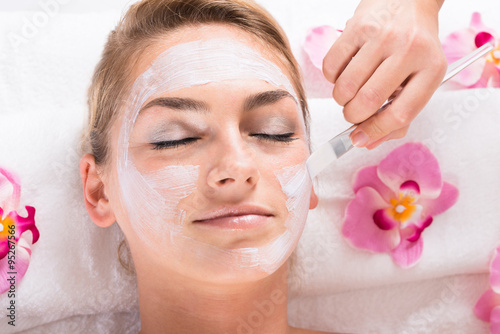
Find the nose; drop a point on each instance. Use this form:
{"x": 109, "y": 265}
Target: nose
{"x": 235, "y": 172}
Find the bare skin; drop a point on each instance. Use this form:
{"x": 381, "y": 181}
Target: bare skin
{"x": 386, "y": 45}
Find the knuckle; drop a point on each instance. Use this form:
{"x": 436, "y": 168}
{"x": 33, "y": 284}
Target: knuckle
{"x": 376, "y": 129}
{"x": 423, "y": 43}
{"x": 344, "y": 90}
{"x": 370, "y": 28}
{"x": 371, "y": 97}
{"x": 355, "y": 115}
{"x": 417, "y": 40}
{"x": 329, "y": 71}
{"x": 400, "y": 134}
{"x": 350, "y": 117}
{"x": 389, "y": 36}
{"x": 439, "y": 64}
{"x": 350, "y": 23}
{"x": 401, "y": 119}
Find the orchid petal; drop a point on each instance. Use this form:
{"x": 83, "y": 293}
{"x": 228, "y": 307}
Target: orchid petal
{"x": 412, "y": 161}
{"x": 23, "y": 254}
{"x": 447, "y": 198}
{"x": 459, "y": 43}
{"x": 494, "y": 80}
{"x": 488, "y": 301}
{"x": 26, "y": 224}
{"x": 383, "y": 219}
{"x": 408, "y": 253}
{"x": 318, "y": 42}
{"x": 367, "y": 177}
{"x": 490, "y": 76}
{"x": 419, "y": 228}
{"x": 4, "y": 233}
{"x": 477, "y": 24}
{"x": 359, "y": 227}
{"x": 495, "y": 321}
{"x": 471, "y": 75}
{"x": 410, "y": 188}
{"x": 4, "y": 248}
{"x": 495, "y": 271}
{"x": 483, "y": 38}
{"x": 455, "y": 46}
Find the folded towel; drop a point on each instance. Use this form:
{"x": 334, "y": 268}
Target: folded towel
{"x": 457, "y": 126}
{"x": 339, "y": 288}
{"x": 75, "y": 281}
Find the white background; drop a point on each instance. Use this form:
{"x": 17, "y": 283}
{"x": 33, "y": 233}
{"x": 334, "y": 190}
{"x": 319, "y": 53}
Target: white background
{"x": 455, "y": 14}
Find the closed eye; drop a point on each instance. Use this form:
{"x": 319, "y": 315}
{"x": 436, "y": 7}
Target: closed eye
{"x": 283, "y": 137}
{"x": 169, "y": 144}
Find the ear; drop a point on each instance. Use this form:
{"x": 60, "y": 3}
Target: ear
{"x": 313, "y": 202}
{"x": 96, "y": 201}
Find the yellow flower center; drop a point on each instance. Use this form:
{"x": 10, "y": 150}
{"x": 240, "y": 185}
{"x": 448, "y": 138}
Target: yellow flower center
{"x": 494, "y": 56}
{"x": 402, "y": 208}
{"x": 4, "y": 228}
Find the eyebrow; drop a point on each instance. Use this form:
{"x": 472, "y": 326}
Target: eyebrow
{"x": 251, "y": 102}
{"x": 178, "y": 103}
{"x": 265, "y": 98}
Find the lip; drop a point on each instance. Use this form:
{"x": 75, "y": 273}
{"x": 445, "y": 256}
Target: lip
{"x": 236, "y": 217}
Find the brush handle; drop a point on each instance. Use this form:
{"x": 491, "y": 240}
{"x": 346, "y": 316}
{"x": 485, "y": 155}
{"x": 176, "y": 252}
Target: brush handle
{"x": 453, "y": 69}
{"x": 341, "y": 144}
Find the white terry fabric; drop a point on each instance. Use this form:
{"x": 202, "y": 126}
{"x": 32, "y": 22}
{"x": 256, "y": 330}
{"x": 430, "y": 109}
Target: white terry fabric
{"x": 74, "y": 273}
{"x": 353, "y": 291}
{"x": 75, "y": 283}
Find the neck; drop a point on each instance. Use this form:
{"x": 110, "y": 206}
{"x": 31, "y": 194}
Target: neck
{"x": 173, "y": 304}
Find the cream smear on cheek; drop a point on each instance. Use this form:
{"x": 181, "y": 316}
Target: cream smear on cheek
{"x": 151, "y": 198}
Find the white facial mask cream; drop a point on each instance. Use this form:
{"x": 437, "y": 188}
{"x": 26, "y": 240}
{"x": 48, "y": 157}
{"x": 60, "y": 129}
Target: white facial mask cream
{"x": 152, "y": 198}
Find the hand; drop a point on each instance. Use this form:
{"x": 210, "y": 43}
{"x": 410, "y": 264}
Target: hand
{"x": 388, "y": 47}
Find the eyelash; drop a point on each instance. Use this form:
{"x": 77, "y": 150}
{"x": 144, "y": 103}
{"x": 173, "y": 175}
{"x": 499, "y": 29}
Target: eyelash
{"x": 170, "y": 144}
{"x": 284, "y": 137}
{"x": 173, "y": 143}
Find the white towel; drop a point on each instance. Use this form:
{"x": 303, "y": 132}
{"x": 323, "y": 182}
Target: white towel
{"x": 337, "y": 287}
{"x": 75, "y": 281}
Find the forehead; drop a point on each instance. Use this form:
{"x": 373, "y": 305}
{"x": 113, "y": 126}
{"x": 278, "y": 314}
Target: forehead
{"x": 206, "y": 32}
{"x": 195, "y": 56}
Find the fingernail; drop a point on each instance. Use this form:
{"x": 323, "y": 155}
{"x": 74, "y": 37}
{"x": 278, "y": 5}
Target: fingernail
{"x": 360, "y": 139}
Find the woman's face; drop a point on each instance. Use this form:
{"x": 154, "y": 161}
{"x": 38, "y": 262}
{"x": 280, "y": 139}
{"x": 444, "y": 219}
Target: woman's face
{"x": 209, "y": 158}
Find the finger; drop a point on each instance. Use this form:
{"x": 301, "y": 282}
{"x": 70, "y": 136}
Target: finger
{"x": 357, "y": 72}
{"x": 339, "y": 56}
{"x": 379, "y": 87}
{"x": 402, "y": 111}
{"x": 397, "y": 91}
{"x": 398, "y": 134}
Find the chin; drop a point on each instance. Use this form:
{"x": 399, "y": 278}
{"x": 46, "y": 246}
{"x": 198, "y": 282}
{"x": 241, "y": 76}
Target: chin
{"x": 234, "y": 275}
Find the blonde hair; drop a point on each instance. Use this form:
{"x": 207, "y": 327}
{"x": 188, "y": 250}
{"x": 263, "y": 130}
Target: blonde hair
{"x": 143, "y": 25}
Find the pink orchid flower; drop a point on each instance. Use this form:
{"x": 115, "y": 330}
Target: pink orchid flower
{"x": 488, "y": 306}
{"x": 484, "y": 72}
{"x": 396, "y": 201}
{"x": 15, "y": 251}
{"x": 318, "y": 42}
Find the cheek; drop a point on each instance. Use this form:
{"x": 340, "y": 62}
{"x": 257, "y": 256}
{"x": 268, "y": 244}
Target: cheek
{"x": 112, "y": 189}
{"x": 295, "y": 184}
{"x": 173, "y": 184}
